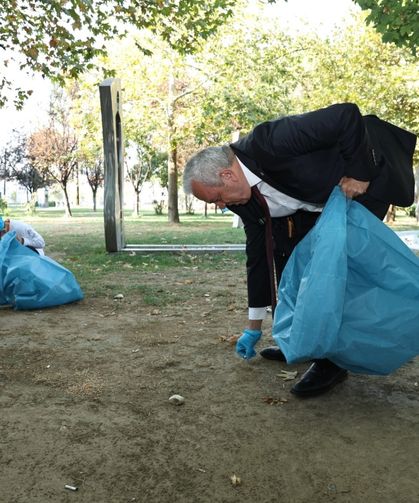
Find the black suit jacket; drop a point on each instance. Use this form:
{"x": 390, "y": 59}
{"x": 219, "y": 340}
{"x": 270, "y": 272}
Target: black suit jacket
{"x": 305, "y": 156}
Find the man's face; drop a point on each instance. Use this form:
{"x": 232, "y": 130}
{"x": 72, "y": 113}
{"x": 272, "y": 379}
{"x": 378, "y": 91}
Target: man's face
{"x": 235, "y": 189}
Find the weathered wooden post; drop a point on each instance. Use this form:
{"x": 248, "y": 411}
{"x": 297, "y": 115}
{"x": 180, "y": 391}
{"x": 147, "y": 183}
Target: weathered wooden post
{"x": 113, "y": 150}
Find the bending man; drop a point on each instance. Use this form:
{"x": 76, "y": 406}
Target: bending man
{"x": 278, "y": 178}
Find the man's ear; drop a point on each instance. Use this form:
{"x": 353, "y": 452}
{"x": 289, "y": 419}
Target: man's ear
{"x": 227, "y": 175}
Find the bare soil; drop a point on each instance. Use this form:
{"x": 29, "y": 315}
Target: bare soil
{"x": 84, "y": 397}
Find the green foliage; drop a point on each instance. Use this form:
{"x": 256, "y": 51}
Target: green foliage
{"x": 396, "y": 20}
{"x": 12, "y": 155}
{"x": 249, "y": 72}
{"x": 28, "y": 176}
{"x": 31, "y": 207}
{"x": 150, "y": 163}
{"x": 255, "y": 69}
{"x": 60, "y": 39}
{"x": 3, "y": 205}
{"x": 354, "y": 65}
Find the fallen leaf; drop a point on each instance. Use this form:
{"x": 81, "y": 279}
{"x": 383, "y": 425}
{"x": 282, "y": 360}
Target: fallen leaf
{"x": 235, "y": 480}
{"x": 287, "y": 375}
{"x": 233, "y": 339}
{"x": 274, "y": 401}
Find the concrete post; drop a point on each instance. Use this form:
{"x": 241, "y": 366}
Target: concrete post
{"x": 113, "y": 150}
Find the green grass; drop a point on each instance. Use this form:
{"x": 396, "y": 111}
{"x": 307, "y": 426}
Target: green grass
{"x": 78, "y": 243}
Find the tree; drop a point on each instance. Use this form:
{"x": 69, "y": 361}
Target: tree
{"x": 54, "y": 153}
{"x": 31, "y": 179}
{"x": 381, "y": 79}
{"x": 61, "y": 38}
{"x": 94, "y": 170}
{"x": 396, "y": 20}
{"x": 149, "y": 163}
{"x": 11, "y": 156}
{"x": 156, "y": 92}
{"x": 211, "y": 95}
{"x": 234, "y": 100}
{"x": 54, "y": 149}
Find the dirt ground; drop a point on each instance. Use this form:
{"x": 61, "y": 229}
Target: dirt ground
{"x": 84, "y": 397}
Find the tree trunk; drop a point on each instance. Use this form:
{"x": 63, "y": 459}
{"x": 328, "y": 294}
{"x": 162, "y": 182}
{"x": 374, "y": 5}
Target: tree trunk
{"x": 391, "y": 214}
{"x": 94, "y": 199}
{"x": 137, "y": 202}
{"x": 173, "y": 209}
{"x": 67, "y": 202}
{"x": 46, "y": 197}
{"x": 77, "y": 187}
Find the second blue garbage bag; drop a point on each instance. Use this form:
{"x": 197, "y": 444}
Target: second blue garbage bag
{"x": 32, "y": 281}
{"x": 349, "y": 293}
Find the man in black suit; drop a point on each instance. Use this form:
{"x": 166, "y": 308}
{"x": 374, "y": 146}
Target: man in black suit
{"x": 278, "y": 178}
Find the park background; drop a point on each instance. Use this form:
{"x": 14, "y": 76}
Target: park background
{"x": 267, "y": 60}
{"x": 84, "y": 388}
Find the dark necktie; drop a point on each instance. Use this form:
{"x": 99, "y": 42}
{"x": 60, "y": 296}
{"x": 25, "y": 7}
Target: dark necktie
{"x": 269, "y": 243}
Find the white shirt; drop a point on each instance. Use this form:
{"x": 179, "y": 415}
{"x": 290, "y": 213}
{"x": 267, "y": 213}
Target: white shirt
{"x": 28, "y": 234}
{"x": 280, "y": 205}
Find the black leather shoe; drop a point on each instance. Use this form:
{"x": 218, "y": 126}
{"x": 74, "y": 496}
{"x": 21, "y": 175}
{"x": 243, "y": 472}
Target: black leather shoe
{"x": 321, "y": 376}
{"x": 273, "y": 353}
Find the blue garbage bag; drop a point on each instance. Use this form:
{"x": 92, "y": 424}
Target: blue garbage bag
{"x": 349, "y": 293}
{"x": 32, "y": 281}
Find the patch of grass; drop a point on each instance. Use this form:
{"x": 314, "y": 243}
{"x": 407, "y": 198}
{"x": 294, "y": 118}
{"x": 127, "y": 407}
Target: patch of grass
{"x": 78, "y": 244}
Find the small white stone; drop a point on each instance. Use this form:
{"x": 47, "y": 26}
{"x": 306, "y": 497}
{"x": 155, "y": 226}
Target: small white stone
{"x": 118, "y": 296}
{"x": 177, "y": 400}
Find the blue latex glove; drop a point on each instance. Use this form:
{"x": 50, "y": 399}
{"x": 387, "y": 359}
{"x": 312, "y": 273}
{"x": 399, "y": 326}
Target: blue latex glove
{"x": 246, "y": 342}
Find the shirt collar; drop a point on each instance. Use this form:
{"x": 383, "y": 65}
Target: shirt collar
{"x": 250, "y": 177}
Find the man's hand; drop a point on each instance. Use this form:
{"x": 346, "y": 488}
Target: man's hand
{"x": 246, "y": 343}
{"x": 353, "y": 188}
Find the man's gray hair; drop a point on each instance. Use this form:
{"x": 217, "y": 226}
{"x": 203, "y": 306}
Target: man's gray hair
{"x": 205, "y": 167}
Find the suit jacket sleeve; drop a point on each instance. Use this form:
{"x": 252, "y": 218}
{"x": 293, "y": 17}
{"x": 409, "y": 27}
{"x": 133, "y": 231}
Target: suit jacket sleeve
{"x": 258, "y": 279}
{"x": 297, "y": 135}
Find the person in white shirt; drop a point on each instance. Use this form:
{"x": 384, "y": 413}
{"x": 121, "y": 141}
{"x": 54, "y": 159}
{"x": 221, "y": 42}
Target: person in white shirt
{"x": 25, "y": 234}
